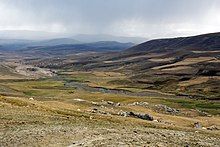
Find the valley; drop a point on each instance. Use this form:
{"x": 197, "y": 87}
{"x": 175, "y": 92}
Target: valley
{"x": 163, "y": 92}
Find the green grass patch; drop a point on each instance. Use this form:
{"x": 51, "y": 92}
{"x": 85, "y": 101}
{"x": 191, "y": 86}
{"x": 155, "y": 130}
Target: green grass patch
{"x": 207, "y": 106}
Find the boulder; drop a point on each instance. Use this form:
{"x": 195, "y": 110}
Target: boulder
{"x": 110, "y": 103}
{"x": 31, "y": 98}
{"x": 145, "y": 117}
{"x": 213, "y": 128}
{"x": 136, "y": 115}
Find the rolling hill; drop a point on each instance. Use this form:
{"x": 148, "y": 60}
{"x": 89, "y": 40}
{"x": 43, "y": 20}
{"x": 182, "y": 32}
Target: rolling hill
{"x": 66, "y": 49}
{"x": 187, "y": 66}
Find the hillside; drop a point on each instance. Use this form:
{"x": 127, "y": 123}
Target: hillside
{"x": 110, "y": 73}
{"x": 206, "y": 42}
{"x": 107, "y": 94}
{"x": 187, "y": 66}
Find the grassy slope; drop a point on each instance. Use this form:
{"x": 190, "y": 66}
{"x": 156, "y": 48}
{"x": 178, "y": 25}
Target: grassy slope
{"x": 55, "y": 109}
{"x": 51, "y": 89}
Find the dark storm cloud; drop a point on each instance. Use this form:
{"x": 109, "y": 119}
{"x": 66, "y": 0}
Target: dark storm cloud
{"x": 148, "y": 18}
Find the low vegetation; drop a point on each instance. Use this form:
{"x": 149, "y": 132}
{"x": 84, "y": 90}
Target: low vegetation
{"x": 147, "y": 95}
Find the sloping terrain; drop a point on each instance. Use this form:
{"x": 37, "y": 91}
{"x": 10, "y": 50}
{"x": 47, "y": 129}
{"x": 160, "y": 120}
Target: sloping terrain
{"x": 163, "y": 64}
{"x": 34, "y": 123}
{"x": 68, "y": 110}
{"x": 153, "y": 94}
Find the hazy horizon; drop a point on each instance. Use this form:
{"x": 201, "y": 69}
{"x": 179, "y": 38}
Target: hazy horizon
{"x": 53, "y": 35}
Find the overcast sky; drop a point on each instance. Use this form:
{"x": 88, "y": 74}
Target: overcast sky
{"x": 144, "y": 18}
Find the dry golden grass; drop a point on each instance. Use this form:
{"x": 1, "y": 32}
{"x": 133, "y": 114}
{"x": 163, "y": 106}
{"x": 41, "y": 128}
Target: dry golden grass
{"x": 7, "y": 71}
{"x": 16, "y": 105}
{"x": 50, "y": 100}
{"x": 152, "y": 55}
{"x": 199, "y": 52}
{"x": 5, "y": 77}
{"x": 195, "y": 81}
{"x": 107, "y": 74}
{"x": 186, "y": 62}
{"x": 214, "y": 61}
{"x": 161, "y": 60}
{"x": 178, "y": 68}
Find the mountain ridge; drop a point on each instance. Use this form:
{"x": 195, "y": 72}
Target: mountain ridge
{"x": 205, "y": 40}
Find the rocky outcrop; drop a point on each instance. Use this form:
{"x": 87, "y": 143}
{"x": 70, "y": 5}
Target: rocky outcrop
{"x": 166, "y": 109}
{"x": 136, "y": 115}
{"x": 143, "y": 104}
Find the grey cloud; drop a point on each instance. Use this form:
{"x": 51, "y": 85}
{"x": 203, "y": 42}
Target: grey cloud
{"x": 146, "y": 18}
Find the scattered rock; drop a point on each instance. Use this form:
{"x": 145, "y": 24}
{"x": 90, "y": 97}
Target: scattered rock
{"x": 102, "y": 106}
{"x": 95, "y": 103}
{"x": 213, "y": 128}
{"x": 31, "y": 98}
{"x": 110, "y": 103}
{"x": 144, "y": 104}
{"x": 135, "y": 132}
{"x": 80, "y": 100}
{"x": 95, "y": 110}
{"x": 123, "y": 113}
{"x": 117, "y": 104}
{"x": 167, "y": 109}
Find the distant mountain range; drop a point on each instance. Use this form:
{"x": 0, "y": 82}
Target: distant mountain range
{"x": 57, "y": 41}
{"x": 82, "y": 38}
{"x": 23, "y": 40}
{"x": 104, "y": 37}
